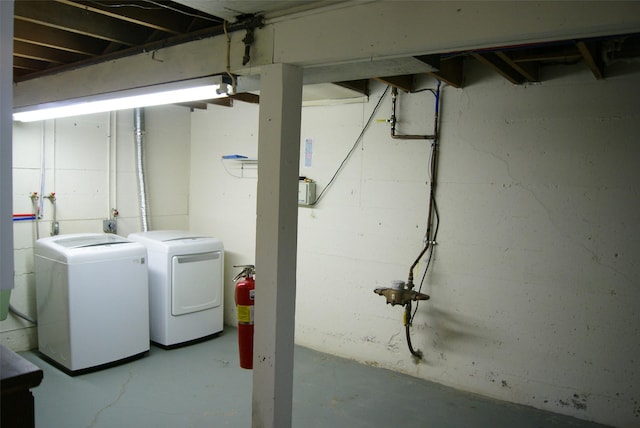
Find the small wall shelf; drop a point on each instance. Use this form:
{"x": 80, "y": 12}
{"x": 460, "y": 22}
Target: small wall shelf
{"x": 243, "y": 167}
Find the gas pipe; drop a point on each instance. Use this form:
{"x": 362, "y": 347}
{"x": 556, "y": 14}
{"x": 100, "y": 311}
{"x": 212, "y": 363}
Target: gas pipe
{"x": 244, "y": 296}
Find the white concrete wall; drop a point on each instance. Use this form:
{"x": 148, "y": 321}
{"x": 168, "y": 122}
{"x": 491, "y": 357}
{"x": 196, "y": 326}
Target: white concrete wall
{"x": 534, "y": 281}
{"x": 90, "y": 165}
{"x": 223, "y": 192}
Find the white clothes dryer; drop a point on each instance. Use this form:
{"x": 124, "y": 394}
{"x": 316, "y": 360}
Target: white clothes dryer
{"x": 92, "y": 300}
{"x": 186, "y": 275}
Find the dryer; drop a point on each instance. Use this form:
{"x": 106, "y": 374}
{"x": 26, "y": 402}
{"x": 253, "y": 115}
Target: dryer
{"x": 186, "y": 294}
{"x": 92, "y": 300}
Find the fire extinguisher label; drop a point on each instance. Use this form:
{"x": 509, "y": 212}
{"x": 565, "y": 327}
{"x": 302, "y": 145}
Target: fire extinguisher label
{"x": 252, "y": 294}
{"x": 245, "y": 314}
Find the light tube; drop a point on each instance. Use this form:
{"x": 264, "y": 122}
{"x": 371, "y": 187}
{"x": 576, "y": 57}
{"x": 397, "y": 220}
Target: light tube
{"x": 122, "y": 100}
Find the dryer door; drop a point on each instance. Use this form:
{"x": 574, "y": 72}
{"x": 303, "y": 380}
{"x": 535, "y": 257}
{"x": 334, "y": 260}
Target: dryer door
{"x": 196, "y": 282}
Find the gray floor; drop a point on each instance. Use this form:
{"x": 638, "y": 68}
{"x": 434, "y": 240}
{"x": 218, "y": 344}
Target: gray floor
{"x": 202, "y": 386}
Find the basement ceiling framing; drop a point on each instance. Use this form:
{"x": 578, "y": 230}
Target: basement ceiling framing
{"x": 53, "y": 36}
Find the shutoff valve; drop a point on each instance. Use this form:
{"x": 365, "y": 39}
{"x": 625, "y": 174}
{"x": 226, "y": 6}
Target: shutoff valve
{"x": 400, "y": 293}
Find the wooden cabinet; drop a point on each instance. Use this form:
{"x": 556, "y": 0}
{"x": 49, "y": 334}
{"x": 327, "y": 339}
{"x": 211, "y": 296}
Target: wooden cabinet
{"x": 17, "y": 377}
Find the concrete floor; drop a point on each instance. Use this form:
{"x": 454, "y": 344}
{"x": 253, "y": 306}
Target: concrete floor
{"x": 202, "y": 386}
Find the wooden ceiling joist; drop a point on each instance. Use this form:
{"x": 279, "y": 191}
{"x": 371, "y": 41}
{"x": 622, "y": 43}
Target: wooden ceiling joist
{"x": 72, "y": 19}
{"x": 404, "y": 83}
{"x": 500, "y": 66}
{"x": 360, "y": 86}
{"x": 591, "y": 55}
{"x": 527, "y": 70}
{"x": 246, "y": 97}
{"x": 447, "y": 69}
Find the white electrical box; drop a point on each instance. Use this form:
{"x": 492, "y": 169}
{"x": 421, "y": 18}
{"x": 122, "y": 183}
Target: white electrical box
{"x": 306, "y": 192}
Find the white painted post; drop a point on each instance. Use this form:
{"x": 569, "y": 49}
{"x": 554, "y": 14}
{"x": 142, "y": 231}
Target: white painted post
{"x": 6, "y": 161}
{"x": 276, "y": 244}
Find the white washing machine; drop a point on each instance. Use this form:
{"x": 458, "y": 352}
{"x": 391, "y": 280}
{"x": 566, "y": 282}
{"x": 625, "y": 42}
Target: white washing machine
{"x": 93, "y": 300}
{"x": 186, "y": 276}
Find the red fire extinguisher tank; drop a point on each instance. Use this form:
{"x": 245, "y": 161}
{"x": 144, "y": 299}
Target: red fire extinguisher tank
{"x": 244, "y": 296}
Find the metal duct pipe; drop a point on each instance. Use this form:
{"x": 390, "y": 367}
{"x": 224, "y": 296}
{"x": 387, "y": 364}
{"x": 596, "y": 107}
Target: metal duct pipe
{"x": 139, "y": 130}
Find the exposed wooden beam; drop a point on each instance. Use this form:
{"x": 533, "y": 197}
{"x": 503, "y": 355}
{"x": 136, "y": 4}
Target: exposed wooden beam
{"x": 591, "y": 54}
{"x": 225, "y": 102}
{"x": 202, "y": 105}
{"x": 404, "y": 83}
{"x": 566, "y": 53}
{"x": 504, "y": 69}
{"x": 28, "y": 64}
{"x": 43, "y": 53}
{"x": 80, "y": 21}
{"x": 449, "y": 70}
{"x": 360, "y": 86}
{"x": 247, "y": 97}
{"x": 527, "y": 70}
{"x": 156, "y": 18}
{"x": 57, "y": 39}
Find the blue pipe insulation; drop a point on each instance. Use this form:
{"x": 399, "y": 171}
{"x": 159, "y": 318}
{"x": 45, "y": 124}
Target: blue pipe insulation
{"x": 33, "y": 217}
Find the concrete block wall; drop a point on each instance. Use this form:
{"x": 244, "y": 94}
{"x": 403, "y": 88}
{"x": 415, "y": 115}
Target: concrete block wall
{"x": 90, "y": 166}
{"x": 533, "y": 280}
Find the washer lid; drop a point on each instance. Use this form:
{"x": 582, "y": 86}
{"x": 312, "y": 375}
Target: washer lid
{"x": 90, "y": 241}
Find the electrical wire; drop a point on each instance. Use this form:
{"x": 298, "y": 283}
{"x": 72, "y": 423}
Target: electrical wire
{"x": 429, "y": 241}
{"x": 115, "y": 6}
{"x": 353, "y": 148}
{"x": 433, "y": 91}
{"x": 228, "y": 68}
{"x": 407, "y": 329}
{"x": 22, "y": 315}
{"x": 158, "y": 6}
{"x": 193, "y": 15}
{"x": 429, "y": 257}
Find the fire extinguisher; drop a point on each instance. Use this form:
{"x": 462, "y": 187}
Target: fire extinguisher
{"x": 244, "y": 295}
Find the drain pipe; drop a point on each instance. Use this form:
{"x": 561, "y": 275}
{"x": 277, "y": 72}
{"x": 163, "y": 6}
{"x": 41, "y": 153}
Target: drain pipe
{"x": 139, "y": 130}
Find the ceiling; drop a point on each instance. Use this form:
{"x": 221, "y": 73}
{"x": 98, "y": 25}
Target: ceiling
{"x": 53, "y": 36}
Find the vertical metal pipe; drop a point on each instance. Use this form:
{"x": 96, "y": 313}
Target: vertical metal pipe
{"x": 139, "y": 130}
{"x": 40, "y": 211}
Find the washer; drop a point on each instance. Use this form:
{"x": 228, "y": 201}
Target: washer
{"x": 92, "y": 300}
{"x": 186, "y": 274}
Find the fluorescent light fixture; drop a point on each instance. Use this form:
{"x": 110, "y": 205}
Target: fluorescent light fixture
{"x": 154, "y": 95}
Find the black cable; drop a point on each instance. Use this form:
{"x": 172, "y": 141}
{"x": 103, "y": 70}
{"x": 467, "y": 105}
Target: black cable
{"x": 433, "y": 91}
{"x": 157, "y": 6}
{"x": 139, "y": 6}
{"x": 426, "y": 269}
{"x": 21, "y": 315}
{"x": 407, "y": 329}
{"x": 429, "y": 240}
{"x": 353, "y": 148}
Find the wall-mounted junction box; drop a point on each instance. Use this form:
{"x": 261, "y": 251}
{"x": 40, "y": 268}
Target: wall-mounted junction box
{"x": 109, "y": 226}
{"x": 306, "y": 192}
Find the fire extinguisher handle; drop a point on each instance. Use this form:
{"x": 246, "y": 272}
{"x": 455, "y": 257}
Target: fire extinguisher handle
{"x": 247, "y": 271}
